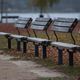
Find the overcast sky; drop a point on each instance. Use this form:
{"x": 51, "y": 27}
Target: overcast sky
{"x": 62, "y": 6}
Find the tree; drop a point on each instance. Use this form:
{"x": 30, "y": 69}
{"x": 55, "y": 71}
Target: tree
{"x": 3, "y": 8}
{"x": 43, "y": 4}
{"x": 1, "y": 3}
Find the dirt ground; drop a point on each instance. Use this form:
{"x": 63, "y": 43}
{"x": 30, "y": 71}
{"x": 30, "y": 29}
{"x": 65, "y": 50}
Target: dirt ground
{"x": 24, "y": 70}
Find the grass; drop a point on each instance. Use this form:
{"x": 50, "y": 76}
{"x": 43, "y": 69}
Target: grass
{"x": 56, "y": 78}
{"x": 71, "y": 72}
{"x": 3, "y": 43}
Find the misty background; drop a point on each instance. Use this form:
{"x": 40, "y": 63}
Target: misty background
{"x": 24, "y": 6}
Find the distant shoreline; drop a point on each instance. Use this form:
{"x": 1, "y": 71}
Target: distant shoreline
{"x": 49, "y": 15}
{"x": 45, "y": 12}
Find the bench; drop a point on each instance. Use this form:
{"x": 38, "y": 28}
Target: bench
{"x": 40, "y": 24}
{"x": 65, "y": 25}
{"x": 23, "y": 23}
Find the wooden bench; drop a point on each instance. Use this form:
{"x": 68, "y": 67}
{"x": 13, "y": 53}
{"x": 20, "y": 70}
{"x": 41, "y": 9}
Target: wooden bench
{"x": 23, "y": 23}
{"x": 65, "y": 25}
{"x": 40, "y": 24}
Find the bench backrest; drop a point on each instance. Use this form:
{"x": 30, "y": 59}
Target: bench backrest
{"x": 64, "y": 24}
{"x": 41, "y": 23}
{"x": 10, "y": 16}
{"x": 23, "y": 22}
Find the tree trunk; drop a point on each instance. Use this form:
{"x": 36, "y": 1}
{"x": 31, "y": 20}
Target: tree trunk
{"x": 1, "y": 10}
{"x": 41, "y": 13}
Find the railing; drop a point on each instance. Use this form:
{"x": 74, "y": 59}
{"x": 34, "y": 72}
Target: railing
{"x": 9, "y": 19}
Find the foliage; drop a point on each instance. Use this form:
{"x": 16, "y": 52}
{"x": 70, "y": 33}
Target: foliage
{"x": 43, "y": 4}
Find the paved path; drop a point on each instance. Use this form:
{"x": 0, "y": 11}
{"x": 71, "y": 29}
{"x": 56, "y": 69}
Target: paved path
{"x": 23, "y": 70}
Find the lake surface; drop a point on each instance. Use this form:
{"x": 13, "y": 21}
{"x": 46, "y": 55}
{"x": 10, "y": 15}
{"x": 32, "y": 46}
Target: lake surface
{"x": 51, "y": 15}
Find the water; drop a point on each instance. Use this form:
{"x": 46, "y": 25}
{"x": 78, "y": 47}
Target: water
{"x": 51, "y": 15}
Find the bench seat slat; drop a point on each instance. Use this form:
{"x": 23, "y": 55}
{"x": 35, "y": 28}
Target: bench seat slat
{"x": 4, "y": 33}
{"x": 37, "y": 39}
{"x": 63, "y": 24}
{"x": 61, "y": 29}
{"x": 37, "y": 27}
{"x": 20, "y": 25}
{"x": 21, "y": 22}
{"x": 23, "y": 19}
{"x": 71, "y": 20}
{"x": 39, "y": 23}
{"x": 17, "y": 36}
{"x": 64, "y": 45}
{"x": 33, "y": 39}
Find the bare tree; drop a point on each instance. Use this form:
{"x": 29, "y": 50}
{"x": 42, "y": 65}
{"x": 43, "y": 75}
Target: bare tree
{"x": 43, "y": 4}
{"x": 3, "y": 9}
{"x": 1, "y": 3}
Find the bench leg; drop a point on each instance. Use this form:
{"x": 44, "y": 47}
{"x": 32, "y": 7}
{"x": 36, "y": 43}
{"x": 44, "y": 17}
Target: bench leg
{"x": 9, "y": 43}
{"x": 44, "y": 52}
{"x": 18, "y": 45}
{"x": 24, "y": 47}
{"x": 36, "y": 50}
{"x": 60, "y": 60}
{"x": 70, "y": 58}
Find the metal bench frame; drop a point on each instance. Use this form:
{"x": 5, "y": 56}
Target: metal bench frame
{"x": 25, "y": 23}
{"x": 61, "y": 45}
{"x": 39, "y": 41}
